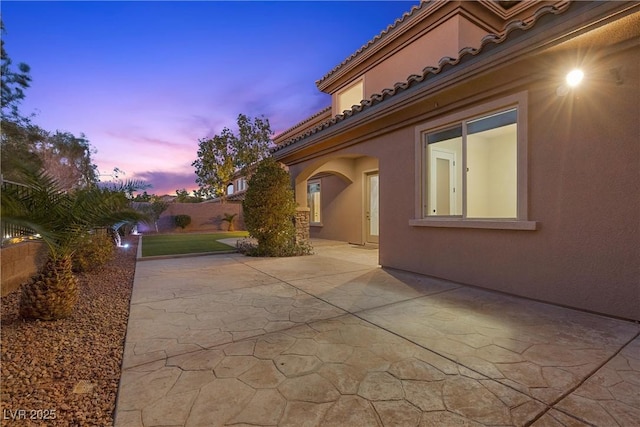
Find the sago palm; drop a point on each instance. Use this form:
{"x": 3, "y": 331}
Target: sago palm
{"x": 60, "y": 218}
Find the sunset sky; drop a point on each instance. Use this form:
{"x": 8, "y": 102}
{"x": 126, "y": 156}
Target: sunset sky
{"x": 144, "y": 81}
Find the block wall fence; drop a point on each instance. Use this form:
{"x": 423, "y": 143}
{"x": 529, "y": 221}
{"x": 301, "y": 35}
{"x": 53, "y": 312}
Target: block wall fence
{"x": 20, "y": 262}
{"x": 205, "y": 217}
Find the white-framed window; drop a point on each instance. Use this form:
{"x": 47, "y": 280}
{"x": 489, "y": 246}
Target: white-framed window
{"x": 313, "y": 201}
{"x": 241, "y": 184}
{"x": 473, "y": 168}
{"x": 350, "y": 96}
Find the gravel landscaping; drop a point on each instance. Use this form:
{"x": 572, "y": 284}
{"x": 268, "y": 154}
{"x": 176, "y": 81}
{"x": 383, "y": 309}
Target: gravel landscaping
{"x": 66, "y": 372}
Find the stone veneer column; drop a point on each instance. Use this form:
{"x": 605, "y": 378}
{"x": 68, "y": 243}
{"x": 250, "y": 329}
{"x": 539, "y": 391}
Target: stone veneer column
{"x": 301, "y": 222}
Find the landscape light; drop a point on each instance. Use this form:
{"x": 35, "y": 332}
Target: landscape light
{"x": 574, "y": 77}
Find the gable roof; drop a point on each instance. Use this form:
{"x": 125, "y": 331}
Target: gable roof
{"x": 511, "y": 31}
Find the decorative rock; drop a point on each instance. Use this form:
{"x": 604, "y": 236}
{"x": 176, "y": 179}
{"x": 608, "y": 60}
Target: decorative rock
{"x": 55, "y": 358}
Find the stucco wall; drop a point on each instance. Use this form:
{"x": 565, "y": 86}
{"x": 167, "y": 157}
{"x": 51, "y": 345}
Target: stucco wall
{"x": 445, "y": 40}
{"x": 583, "y": 183}
{"x": 583, "y": 186}
{"x": 204, "y": 217}
{"x": 19, "y": 263}
{"x": 342, "y": 183}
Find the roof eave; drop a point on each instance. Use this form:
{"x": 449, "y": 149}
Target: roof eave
{"x": 519, "y": 39}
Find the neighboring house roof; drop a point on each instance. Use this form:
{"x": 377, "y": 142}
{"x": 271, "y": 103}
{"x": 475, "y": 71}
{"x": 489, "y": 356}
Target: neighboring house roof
{"x": 235, "y": 197}
{"x": 430, "y": 71}
{"x": 238, "y": 196}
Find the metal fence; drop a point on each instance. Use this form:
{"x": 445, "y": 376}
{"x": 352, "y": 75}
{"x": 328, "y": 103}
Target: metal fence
{"x": 12, "y": 231}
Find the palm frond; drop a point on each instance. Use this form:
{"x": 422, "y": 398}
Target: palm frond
{"x": 62, "y": 217}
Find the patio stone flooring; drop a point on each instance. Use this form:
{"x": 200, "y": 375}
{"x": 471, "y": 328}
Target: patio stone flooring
{"x": 333, "y": 340}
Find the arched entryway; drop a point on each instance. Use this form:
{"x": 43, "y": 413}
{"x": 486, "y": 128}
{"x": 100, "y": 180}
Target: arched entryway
{"x": 341, "y": 196}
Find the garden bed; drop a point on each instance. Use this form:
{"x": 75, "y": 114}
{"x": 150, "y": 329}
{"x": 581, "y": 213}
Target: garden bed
{"x": 69, "y": 370}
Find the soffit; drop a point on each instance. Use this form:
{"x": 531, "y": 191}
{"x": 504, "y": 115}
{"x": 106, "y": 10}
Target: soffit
{"x": 621, "y": 29}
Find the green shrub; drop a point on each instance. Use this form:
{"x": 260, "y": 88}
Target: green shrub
{"x": 92, "y": 251}
{"x": 182, "y": 221}
{"x": 269, "y": 209}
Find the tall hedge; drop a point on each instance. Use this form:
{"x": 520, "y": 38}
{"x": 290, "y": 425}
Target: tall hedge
{"x": 269, "y": 208}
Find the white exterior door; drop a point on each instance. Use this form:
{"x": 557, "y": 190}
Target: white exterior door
{"x": 372, "y": 222}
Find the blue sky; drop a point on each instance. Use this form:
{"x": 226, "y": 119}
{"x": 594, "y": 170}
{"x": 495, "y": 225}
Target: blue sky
{"x": 145, "y": 80}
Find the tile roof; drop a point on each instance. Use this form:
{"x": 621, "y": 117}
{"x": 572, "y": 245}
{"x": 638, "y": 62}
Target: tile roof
{"x": 238, "y": 196}
{"x": 374, "y": 41}
{"x": 427, "y": 72}
{"x": 307, "y": 120}
{"x": 235, "y": 197}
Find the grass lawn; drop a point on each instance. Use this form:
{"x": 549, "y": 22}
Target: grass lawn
{"x": 175, "y": 244}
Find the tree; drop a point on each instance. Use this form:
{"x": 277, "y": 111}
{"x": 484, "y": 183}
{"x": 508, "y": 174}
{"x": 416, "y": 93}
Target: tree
{"x": 253, "y": 143}
{"x": 144, "y": 197}
{"x": 126, "y": 186}
{"x": 18, "y": 134}
{"x": 154, "y": 209}
{"x": 215, "y": 164}
{"x": 65, "y": 157}
{"x": 182, "y": 196}
{"x": 229, "y": 217}
{"x": 223, "y": 155}
{"x": 62, "y": 218}
{"x": 18, "y": 143}
{"x": 269, "y": 209}
{"x": 14, "y": 82}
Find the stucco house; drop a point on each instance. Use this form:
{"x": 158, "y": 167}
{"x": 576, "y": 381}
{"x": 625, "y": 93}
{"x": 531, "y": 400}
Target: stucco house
{"x": 237, "y": 188}
{"x": 456, "y": 144}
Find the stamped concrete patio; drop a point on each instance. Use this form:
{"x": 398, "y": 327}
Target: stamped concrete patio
{"x": 334, "y": 340}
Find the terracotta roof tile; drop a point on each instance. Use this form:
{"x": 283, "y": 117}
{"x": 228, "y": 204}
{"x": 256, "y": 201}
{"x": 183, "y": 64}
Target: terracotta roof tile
{"x": 237, "y": 196}
{"x": 307, "y": 120}
{"x": 486, "y": 43}
{"x": 373, "y": 41}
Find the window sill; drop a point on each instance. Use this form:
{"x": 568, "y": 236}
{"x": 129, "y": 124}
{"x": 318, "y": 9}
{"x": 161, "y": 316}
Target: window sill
{"x": 491, "y": 224}
{"x": 315, "y": 224}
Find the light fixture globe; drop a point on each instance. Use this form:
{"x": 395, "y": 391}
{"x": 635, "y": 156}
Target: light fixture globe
{"x": 574, "y": 77}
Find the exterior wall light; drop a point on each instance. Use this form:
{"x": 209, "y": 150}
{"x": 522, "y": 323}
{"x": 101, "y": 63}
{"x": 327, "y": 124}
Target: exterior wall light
{"x": 574, "y": 77}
